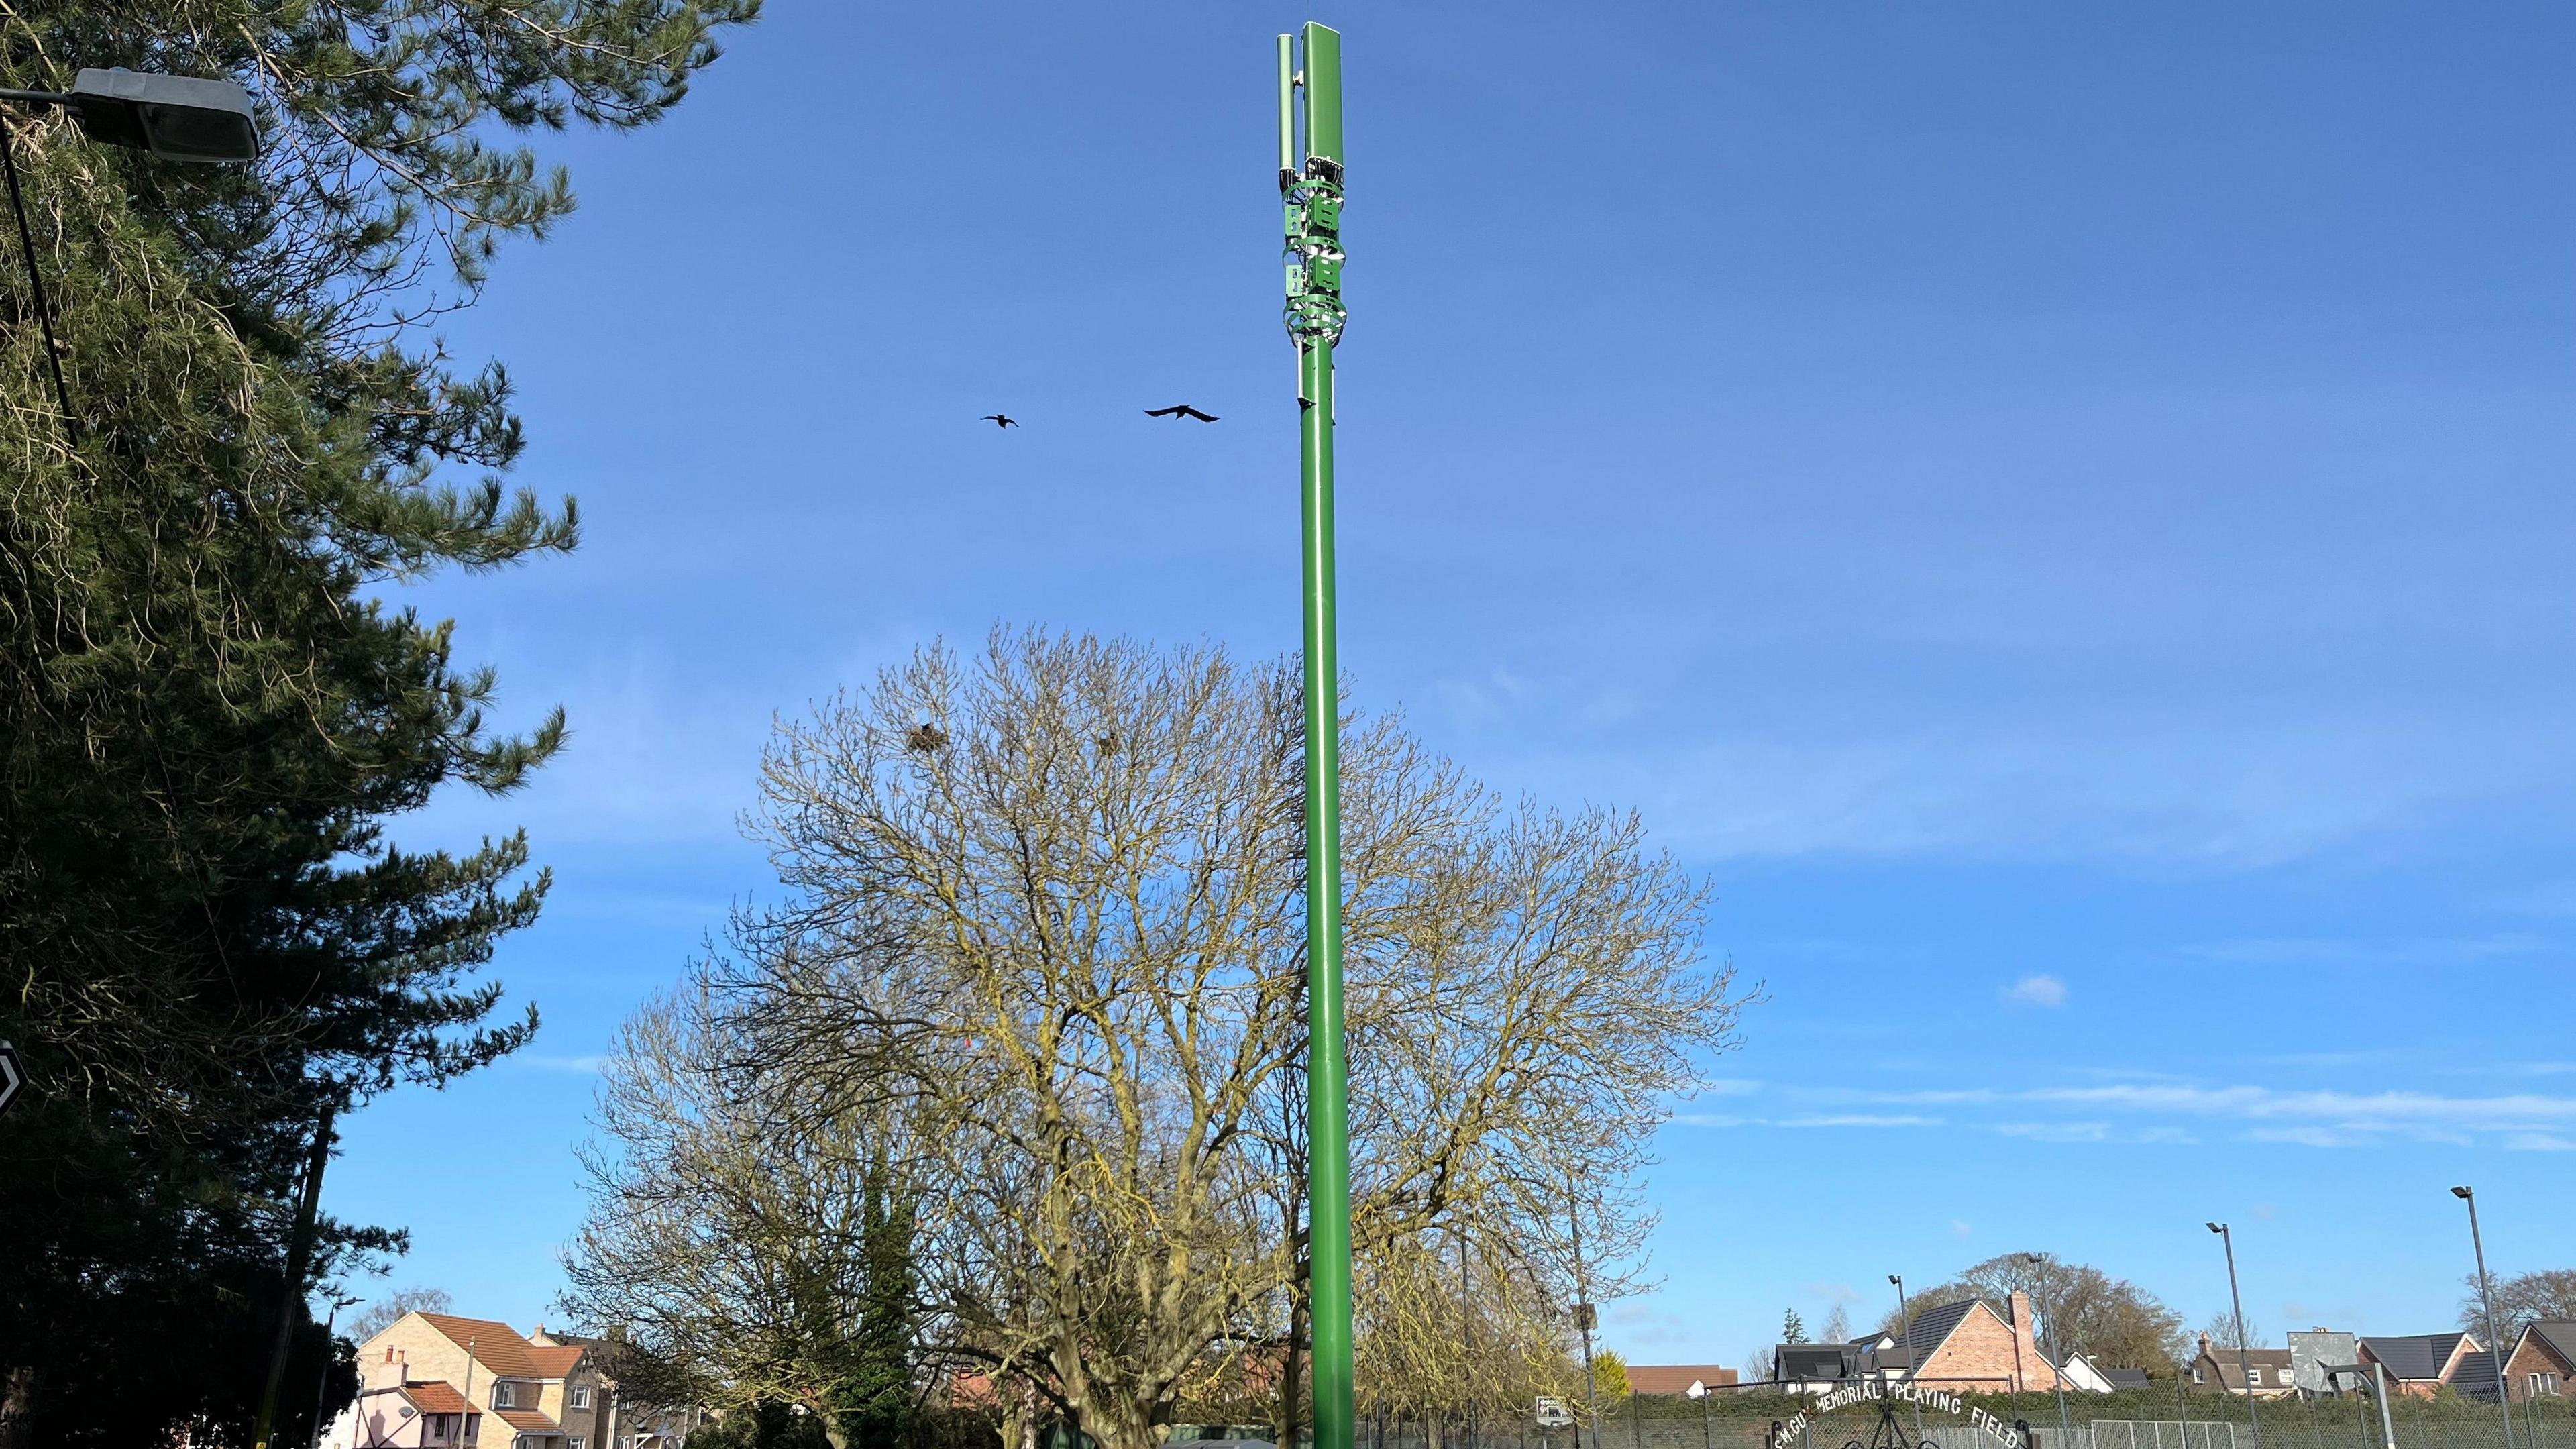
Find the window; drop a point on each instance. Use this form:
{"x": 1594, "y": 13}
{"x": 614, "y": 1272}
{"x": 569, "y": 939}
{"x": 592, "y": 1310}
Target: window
{"x": 580, "y": 1400}
{"x": 576, "y": 1442}
{"x": 501, "y": 1398}
{"x": 2544, "y": 1386}
{"x": 2196, "y": 1376}
{"x": 2254, "y": 1376}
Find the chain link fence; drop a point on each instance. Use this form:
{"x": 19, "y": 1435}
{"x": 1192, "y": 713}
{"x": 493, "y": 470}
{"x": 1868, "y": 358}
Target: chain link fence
{"x": 2198, "y": 1422}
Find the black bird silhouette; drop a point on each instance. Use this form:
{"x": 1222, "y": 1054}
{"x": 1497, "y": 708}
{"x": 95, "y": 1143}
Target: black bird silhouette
{"x": 999, "y": 420}
{"x": 1180, "y": 410}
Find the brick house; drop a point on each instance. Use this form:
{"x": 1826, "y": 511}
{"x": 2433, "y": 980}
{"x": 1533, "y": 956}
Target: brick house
{"x": 437, "y": 1381}
{"x": 2418, "y": 1363}
{"x": 2543, "y": 1362}
{"x": 1966, "y": 1346}
{"x": 626, "y": 1422}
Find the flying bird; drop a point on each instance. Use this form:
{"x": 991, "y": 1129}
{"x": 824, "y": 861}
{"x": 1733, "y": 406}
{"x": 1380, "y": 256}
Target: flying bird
{"x": 1180, "y": 410}
{"x": 1000, "y": 420}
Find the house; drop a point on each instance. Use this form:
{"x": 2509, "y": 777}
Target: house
{"x": 1966, "y": 1346}
{"x": 626, "y": 1422}
{"x": 1814, "y": 1368}
{"x": 2090, "y": 1375}
{"x": 2475, "y": 1375}
{"x": 1677, "y": 1378}
{"x": 437, "y": 1381}
{"x": 2264, "y": 1372}
{"x": 2543, "y": 1362}
{"x": 2417, "y": 1363}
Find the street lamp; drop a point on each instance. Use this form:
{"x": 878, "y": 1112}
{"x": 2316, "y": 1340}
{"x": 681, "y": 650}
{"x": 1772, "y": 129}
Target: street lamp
{"x": 2244, "y": 1360}
{"x": 177, "y": 118}
{"x": 1905, "y": 1325}
{"x": 2057, "y": 1371}
{"x": 2495, "y": 1346}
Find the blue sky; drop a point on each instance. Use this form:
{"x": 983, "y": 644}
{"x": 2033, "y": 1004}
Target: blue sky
{"x": 2060, "y": 514}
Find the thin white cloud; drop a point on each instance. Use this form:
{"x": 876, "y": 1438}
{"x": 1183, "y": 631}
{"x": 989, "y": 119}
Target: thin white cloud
{"x": 1859, "y": 1119}
{"x": 1959, "y": 1228}
{"x": 2315, "y": 1118}
{"x": 1708, "y": 1119}
{"x": 580, "y": 1065}
{"x": 2315, "y": 951}
{"x": 2037, "y": 991}
{"x": 2057, "y": 1131}
{"x": 2540, "y": 1142}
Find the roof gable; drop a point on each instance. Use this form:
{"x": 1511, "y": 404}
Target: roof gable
{"x": 499, "y": 1348}
{"x": 2416, "y": 1355}
{"x": 2555, "y": 1337}
{"x": 1928, "y": 1330}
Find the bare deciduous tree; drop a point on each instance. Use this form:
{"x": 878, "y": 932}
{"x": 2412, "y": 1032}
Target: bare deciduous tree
{"x": 2520, "y": 1300}
{"x": 379, "y": 1315}
{"x": 747, "y": 1245}
{"x": 1045, "y": 909}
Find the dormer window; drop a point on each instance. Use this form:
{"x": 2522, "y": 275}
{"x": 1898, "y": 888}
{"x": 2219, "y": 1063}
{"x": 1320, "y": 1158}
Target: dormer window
{"x": 502, "y": 1397}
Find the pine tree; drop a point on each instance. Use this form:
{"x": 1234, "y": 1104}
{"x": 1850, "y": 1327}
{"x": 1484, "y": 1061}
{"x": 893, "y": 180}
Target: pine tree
{"x": 1793, "y": 1329}
{"x": 207, "y": 716}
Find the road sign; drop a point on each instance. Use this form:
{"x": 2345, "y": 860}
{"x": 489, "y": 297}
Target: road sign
{"x": 1553, "y": 1414}
{"x": 12, "y": 1075}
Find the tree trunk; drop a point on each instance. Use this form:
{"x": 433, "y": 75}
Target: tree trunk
{"x": 18, "y": 1410}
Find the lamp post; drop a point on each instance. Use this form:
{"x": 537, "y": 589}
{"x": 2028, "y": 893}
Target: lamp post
{"x": 1310, "y": 193}
{"x": 2495, "y": 1346}
{"x": 2057, "y": 1370}
{"x": 2244, "y": 1360}
{"x": 1699, "y": 1390}
{"x": 1904, "y": 1325}
{"x": 177, "y": 118}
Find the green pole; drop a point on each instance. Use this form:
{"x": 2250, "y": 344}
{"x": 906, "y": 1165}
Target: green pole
{"x": 1311, "y": 194}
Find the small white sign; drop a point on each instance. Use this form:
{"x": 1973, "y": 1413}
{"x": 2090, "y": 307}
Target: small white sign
{"x": 1553, "y": 1414}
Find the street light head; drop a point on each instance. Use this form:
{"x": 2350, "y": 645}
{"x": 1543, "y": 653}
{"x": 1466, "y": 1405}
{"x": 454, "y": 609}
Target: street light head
{"x": 1896, "y": 1278}
{"x": 177, "y": 118}
{"x": 2218, "y": 1227}
{"x": 2462, "y": 1193}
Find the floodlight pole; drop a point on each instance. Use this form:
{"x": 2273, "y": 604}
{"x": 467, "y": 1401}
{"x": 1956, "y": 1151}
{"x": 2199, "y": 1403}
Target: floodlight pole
{"x": 2244, "y": 1350}
{"x": 1310, "y": 192}
{"x": 2495, "y": 1345}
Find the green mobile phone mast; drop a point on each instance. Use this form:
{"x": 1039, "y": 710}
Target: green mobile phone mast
{"x": 1310, "y": 190}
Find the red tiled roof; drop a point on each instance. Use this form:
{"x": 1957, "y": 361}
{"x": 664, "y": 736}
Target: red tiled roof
{"x": 529, "y": 1419}
{"x": 435, "y": 1396}
{"x": 499, "y": 1348}
{"x": 1675, "y": 1378}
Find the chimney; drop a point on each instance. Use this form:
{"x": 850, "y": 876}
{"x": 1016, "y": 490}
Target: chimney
{"x": 2204, "y": 1344}
{"x": 2017, "y": 1308}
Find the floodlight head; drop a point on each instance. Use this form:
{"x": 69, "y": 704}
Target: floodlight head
{"x": 177, "y": 118}
{"x": 1896, "y": 1278}
{"x": 1697, "y": 1389}
{"x": 2218, "y": 1228}
{"x": 2462, "y": 1193}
